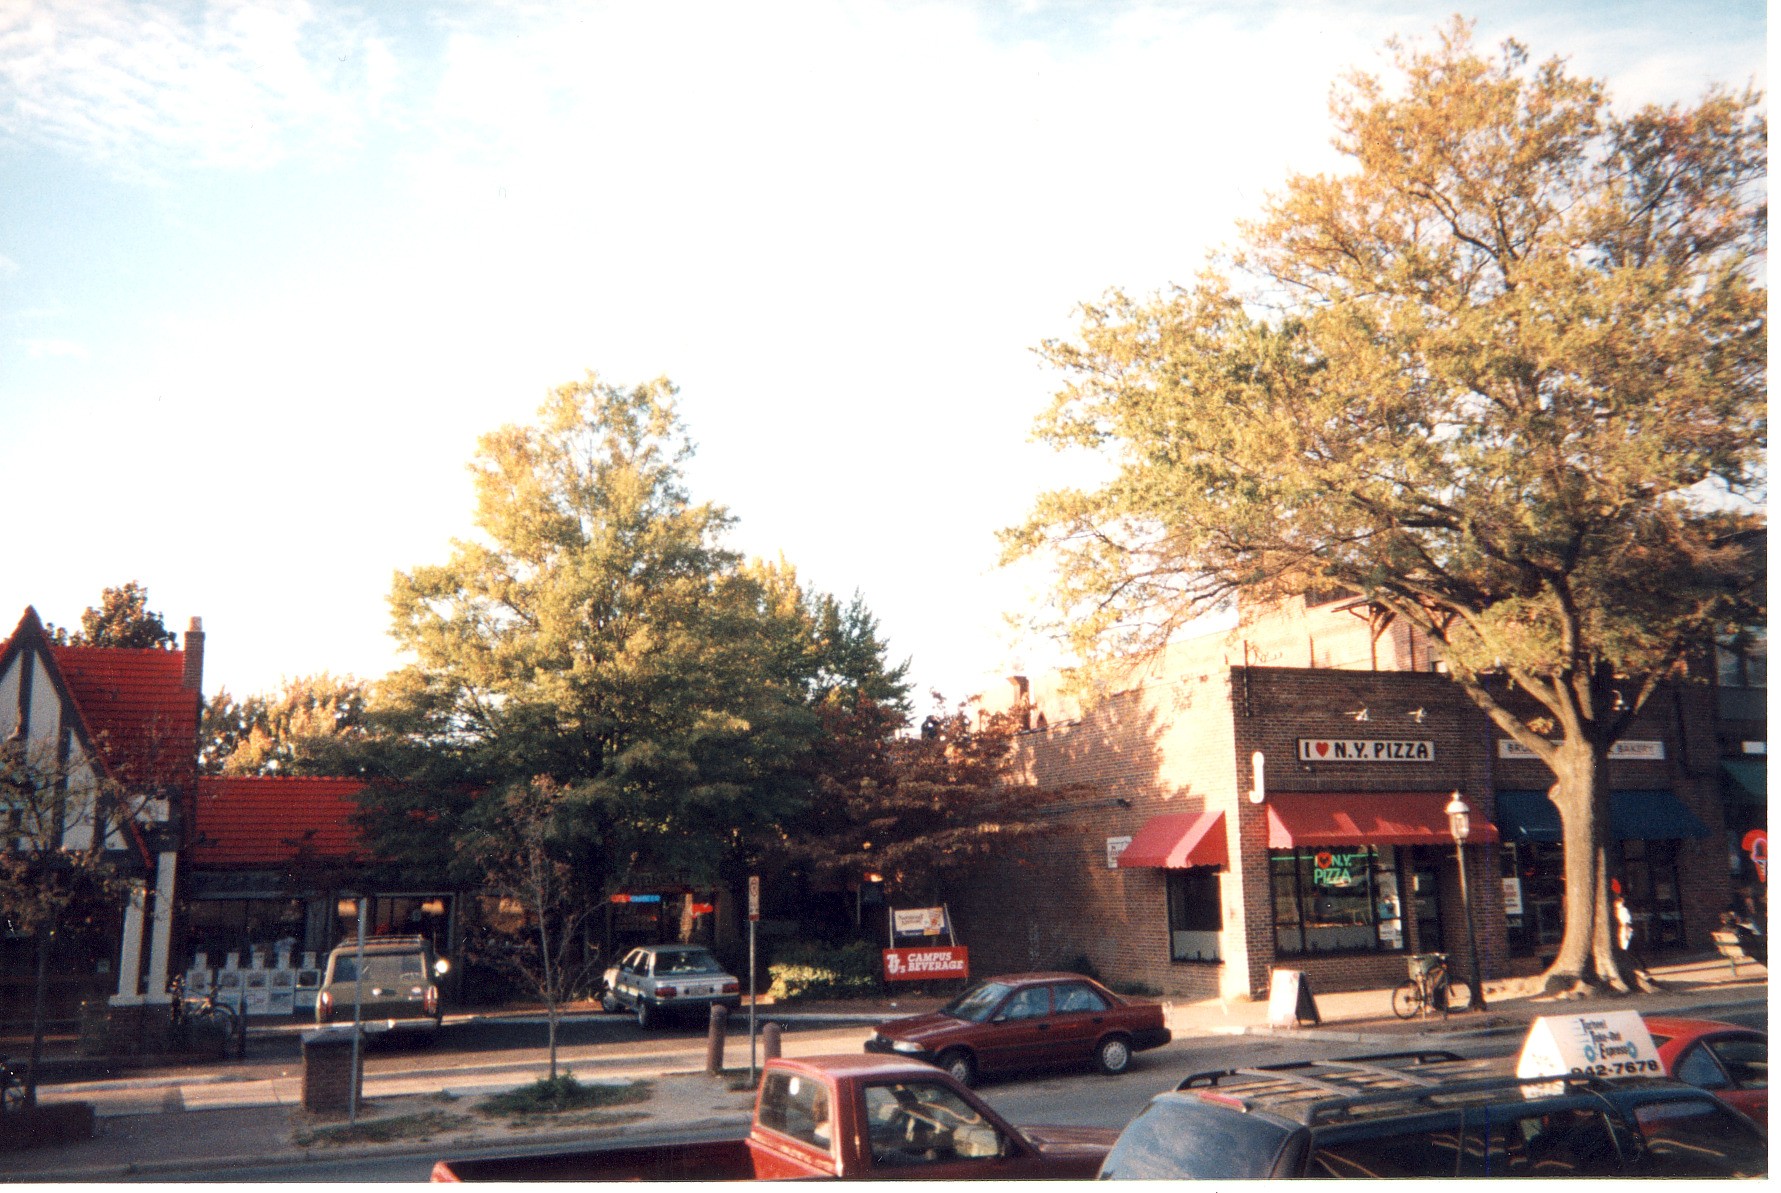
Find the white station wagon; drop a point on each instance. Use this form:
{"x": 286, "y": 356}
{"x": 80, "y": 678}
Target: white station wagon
{"x": 659, "y": 980}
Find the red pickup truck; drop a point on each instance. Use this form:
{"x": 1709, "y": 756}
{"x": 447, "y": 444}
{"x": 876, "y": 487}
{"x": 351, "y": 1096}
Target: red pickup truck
{"x": 849, "y": 1117}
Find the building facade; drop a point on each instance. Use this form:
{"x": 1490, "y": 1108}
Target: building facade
{"x": 1185, "y": 875}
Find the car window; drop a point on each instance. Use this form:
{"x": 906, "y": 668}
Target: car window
{"x": 1188, "y": 1137}
{"x": 917, "y": 1122}
{"x": 976, "y": 1004}
{"x": 634, "y": 962}
{"x": 412, "y": 966}
{"x": 1699, "y": 1138}
{"x": 798, "y": 1107}
{"x": 346, "y": 969}
{"x": 1560, "y": 1144}
{"x": 1031, "y": 1003}
{"x": 687, "y": 963}
{"x": 1425, "y": 1147}
{"x": 1076, "y": 997}
{"x": 1697, "y": 1067}
{"x": 1745, "y": 1059}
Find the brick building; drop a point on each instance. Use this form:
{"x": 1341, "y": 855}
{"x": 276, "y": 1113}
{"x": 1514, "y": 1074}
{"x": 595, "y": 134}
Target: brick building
{"x": 1171, "y": 876}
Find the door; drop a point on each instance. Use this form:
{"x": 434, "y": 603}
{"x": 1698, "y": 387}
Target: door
{"x": 1078, "y": 1017}
{"x": 1018, "y": 1035}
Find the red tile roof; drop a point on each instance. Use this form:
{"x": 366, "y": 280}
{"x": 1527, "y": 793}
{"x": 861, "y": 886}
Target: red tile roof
{"x": 142, "y": 717}
{"x": 262, "y": 820}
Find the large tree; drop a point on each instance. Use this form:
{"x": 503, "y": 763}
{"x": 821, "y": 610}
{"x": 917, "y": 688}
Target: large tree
{"x": 598, "y": 642}
{"x": 312, "y": 725}
{"x": 1503, "y": 376}
{"x": 122, "y": 618}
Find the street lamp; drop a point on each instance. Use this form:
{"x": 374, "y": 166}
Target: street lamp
{"x": 1459, "y": 823}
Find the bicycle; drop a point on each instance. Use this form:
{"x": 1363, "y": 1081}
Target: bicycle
{"x": 206, "y": 1013}
{"x": 12, "y": 1091}
{"x": 1430, "y": 988}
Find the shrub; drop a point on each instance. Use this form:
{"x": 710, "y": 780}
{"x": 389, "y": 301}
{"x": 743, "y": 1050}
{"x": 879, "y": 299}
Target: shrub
{"x": 1082, "y": 965}
{"x": 545, "y": 1096}
{"x": 809, "y": 970}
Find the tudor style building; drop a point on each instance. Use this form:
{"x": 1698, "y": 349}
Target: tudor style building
{"x": 1186, "y": 875}
{"x": 112, "y": 734}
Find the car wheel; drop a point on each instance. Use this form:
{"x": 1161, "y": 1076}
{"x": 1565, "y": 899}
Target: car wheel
{"x": 1114, "y": 1055}
{"x": 647, "y": 1015}
{"x": 960, "y": 1065}
{"x": 610, "y": 1004}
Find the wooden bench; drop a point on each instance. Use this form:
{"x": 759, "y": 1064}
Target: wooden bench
{"x": 1726, "y": 941}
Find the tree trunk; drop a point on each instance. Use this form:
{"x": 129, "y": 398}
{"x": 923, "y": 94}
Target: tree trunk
{"x": 1586, "y": 955}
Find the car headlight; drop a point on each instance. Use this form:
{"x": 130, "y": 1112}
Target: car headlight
{"x": 905, "y": 1046}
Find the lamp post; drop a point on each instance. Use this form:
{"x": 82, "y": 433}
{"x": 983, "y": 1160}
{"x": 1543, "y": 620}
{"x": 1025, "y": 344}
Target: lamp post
{"x": 1459, "y": 823}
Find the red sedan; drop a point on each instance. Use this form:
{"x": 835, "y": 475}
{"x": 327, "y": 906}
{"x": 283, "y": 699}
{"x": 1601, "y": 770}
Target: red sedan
{"x": 1027, "y": 1021}
{"x": 1730, "y": 1061}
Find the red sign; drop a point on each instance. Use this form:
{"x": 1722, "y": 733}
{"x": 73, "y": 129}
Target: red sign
{"x": 915, "y": 965}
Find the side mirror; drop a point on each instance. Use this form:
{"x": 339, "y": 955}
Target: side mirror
{"x": 441, "y": 967}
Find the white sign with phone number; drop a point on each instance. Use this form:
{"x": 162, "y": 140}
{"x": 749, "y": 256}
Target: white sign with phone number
{"x": 1604, "y": 1044}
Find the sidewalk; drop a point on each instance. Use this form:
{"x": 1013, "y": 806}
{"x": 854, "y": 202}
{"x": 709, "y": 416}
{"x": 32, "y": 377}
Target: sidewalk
{"x": 168, "y": 1121}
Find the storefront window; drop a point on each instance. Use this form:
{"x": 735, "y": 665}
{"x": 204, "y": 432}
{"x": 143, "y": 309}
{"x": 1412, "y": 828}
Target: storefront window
{"x": 402, "y": 915}
{"x": 1195, "y": 914}
{"x": 218, "y": 927}
{"x": 1652, "y": 886}
{"x": 1341, "y": 899}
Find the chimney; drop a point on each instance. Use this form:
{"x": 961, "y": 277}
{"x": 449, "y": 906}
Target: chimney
{"x": 194, "y": 669}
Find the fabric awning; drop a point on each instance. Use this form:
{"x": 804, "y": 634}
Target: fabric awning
{"x": 1632, "y": 816}
{"x": 1176, "y": 841}
{"x": 1370, "y": 818}
{"x": 1750, "y": 779}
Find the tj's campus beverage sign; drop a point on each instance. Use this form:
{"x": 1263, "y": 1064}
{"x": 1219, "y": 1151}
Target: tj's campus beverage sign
{"x": 1348, "y": 749}
{"x": 916, "y": 965}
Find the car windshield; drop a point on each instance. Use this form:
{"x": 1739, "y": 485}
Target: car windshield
{"x": 700, "y": 962}
{"x": 978, "y": 1003}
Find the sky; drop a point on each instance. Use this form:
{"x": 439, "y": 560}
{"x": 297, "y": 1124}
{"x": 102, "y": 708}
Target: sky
{"x": 268, "y": 270}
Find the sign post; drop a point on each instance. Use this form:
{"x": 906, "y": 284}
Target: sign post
{"x": 754, "y": 916}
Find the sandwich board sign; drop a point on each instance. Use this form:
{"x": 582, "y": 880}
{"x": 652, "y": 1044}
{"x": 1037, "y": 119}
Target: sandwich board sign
{"x": 1602, "y": 1044}
{"x": 1290, "y": 1000}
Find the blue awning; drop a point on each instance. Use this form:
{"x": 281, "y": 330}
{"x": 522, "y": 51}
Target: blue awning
{"x": 1632, "y": 816}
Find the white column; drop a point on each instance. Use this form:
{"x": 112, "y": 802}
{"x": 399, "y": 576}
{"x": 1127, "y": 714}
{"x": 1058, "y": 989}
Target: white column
{"x": 161, "y": 941}
{"x": 129, "y": 967}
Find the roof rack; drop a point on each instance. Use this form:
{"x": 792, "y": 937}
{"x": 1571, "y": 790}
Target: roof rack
{"x": 1372, "y": 1061}
{"x": 1326, "y": 1096}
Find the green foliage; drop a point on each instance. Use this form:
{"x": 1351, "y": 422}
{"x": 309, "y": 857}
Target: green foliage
{"x": 914, "y": 809}
{"x": 550, "y": 1095}
{"x": 122, "y": 618}
{"x": 314, "y": 725}
{"x": 1505, "y": 377}
{"x": 421, "y": 1125}
{"x": 808, "y": 970}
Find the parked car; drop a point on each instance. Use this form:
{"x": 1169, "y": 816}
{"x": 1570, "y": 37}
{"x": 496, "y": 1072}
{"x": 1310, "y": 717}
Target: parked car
{"x": 398, "y": 989}
{"x": 1427, "y": 1115}
{"x": 1027, "y": 1021}
{"x": 660, "y": 980}
{"x": 1729, "y": 1061}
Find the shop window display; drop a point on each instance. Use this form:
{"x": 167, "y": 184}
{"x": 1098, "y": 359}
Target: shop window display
{"x": 1195, "y": 914}
{"x": 1340, "y": 899}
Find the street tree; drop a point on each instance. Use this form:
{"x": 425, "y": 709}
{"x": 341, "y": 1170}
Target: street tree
{"x": 526, "y": 862}
{"x": 597, "y": 634}
{"x": 122, "y": 618}
{"x": 1503, "y": 376}
{"x": 917, "y": 809}
{"x": 48, "y": 876}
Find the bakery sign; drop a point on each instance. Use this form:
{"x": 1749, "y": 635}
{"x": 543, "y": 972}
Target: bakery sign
{"x": 1620, "y": 751}
{"x": 1348, "y": 749}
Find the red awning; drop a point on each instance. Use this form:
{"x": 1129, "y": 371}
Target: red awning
{"x": 1375, "y": 818}
{"x": 1177, "y": 841}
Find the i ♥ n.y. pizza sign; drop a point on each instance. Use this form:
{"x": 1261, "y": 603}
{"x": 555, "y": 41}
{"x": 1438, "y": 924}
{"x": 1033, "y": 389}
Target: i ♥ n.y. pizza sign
{"x": 1347, "y": 749}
